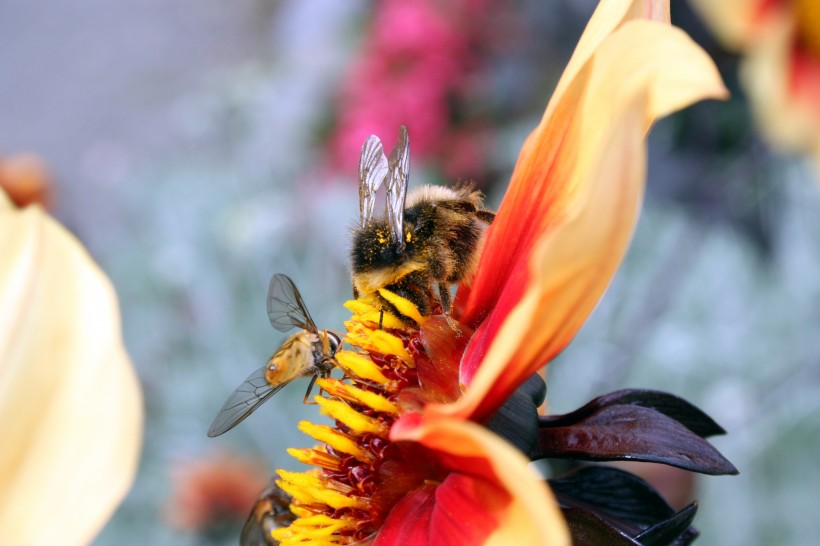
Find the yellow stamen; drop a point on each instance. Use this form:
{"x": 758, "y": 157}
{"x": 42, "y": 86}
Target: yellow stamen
{"x": 335, "y": 439}
{"x": 315, "y": 457}
{"x": 376, "y": 341}
{"x": 320, "y": 525}
{"x": 308, "y": 489}
{"x": 347, "y": 392}
{"x": 361, "y": 366}
{"x": 369, "y": 310}
{"x": 403, "y": 305}
{"x": 355, "y": 421}
{"x": 300, "y": 512}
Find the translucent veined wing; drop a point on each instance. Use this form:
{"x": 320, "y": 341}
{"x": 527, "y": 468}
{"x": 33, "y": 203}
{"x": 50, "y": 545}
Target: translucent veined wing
{"x": 372, "y": 170}
{"x": 285, "y": 306}
{"x": 248, "y": 396}
{"x": 397, "y": 178}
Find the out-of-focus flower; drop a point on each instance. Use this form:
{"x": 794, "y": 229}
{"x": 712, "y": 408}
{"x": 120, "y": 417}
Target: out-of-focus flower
{"x": 26, "y": 180}
{"x": 417, "y": 60}
{"x": 409, "y": 460}
{"x": 780, "y": 40}
{"x": 213, "y": 490}
{"x": 70, "y": 403}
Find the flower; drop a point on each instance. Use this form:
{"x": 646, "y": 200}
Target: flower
{"x": 414, "y": 66}
{"x": 25, "y": 179}
{"x": 408, "y": 458}
{"x": 211, "y": 490}
{"x": 70, "y": 403}
{"x": 780, "y": 44}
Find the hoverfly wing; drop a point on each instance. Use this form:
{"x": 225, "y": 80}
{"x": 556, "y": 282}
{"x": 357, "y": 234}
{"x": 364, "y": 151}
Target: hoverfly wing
{"x": 248, "y": 396}
{"x": 397, "y": 178}
{"x": 372, "y": 171}
{"x": 286, "y": 309}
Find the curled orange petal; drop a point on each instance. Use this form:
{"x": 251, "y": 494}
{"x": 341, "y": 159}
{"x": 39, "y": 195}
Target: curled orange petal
{"x": 490, "y": 495}
{"x": 569, "y": 213}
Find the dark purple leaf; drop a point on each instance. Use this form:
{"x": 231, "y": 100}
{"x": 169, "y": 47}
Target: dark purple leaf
{"x": 674, "y": 531}
{"x": 606, "y": 501}
{"x": 589, "y": 529}
{"x": 629, "y": 432}
{"x": 612, "y": 491}
{"x": 668, "y": 404}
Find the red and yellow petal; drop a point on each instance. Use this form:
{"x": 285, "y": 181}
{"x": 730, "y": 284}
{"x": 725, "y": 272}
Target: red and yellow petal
{"x": 70, "y": 403}
{"x": 576, "y": 193}
{"x": 537, "y": 190}
{"x": 489, "y": 495}
{"x": 783, "y": 83}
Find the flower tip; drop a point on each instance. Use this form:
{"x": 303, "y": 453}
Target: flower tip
{"x": 406, "y": 428}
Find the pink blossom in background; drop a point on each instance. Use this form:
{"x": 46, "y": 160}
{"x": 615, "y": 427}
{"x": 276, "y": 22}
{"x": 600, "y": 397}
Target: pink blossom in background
{"x": 417, "y": 58}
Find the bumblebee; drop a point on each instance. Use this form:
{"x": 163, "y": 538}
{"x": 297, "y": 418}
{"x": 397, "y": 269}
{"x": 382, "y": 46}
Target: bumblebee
{"x": 431, "y": 237}
{"x": 271, "y": 511}
{"x": 305, "y": 353}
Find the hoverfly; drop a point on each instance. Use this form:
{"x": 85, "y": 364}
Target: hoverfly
{"x": 271, "y": 511}
{"x": 305, "y": 353}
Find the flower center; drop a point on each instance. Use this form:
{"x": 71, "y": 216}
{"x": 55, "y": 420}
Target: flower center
{"x": 807, "y": 17}
{"x": 360, "y": 474}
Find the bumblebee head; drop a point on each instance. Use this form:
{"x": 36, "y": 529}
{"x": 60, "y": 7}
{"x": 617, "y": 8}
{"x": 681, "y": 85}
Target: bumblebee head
{"x": 373, "y": 248}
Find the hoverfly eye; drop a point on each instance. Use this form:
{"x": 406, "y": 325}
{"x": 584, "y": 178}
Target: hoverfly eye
{"x": 333, "y": 342}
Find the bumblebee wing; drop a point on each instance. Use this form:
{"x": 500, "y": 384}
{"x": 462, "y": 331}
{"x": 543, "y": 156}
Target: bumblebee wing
{"x": 398, "y": 176}
{"x": 245, "y": 399}
{"x": 286, "y": 309}
{"x": 372, "y": 171}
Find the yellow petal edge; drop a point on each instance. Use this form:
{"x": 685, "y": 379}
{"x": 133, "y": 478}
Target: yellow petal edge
{"x": 70, "y": 403}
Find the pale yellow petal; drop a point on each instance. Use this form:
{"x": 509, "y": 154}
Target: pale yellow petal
{"x": 732, "y": 21}
{"x": 608, "y": 16}
{"x": 70, "y": 403}
{"x": 790, "y": 124}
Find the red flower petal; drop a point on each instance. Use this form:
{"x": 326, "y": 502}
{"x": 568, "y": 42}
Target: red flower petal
{"x": 488, "y": 493}
{"x": 569, "y": 213}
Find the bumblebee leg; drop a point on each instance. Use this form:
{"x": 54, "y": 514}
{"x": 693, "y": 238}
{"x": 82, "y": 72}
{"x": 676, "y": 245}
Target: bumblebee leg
{"x": 381, "y": 319}
{"x": 444, "y": 298}
{"x": 485, "y": 216}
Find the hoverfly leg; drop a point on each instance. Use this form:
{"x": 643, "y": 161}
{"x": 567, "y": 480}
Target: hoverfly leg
{"x": 306, "y": 400}
{"x": 381, "y": 319}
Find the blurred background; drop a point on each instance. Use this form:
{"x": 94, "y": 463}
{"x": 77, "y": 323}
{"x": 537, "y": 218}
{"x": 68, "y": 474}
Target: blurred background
{"x": 197, "y": 147}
